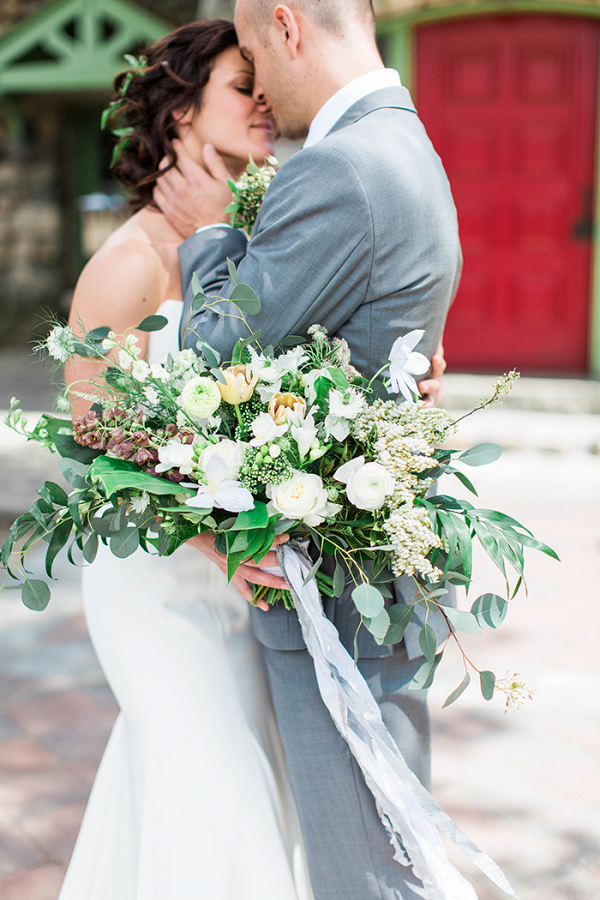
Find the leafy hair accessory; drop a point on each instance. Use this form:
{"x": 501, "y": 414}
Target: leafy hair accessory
{"x": 138, "y": 65}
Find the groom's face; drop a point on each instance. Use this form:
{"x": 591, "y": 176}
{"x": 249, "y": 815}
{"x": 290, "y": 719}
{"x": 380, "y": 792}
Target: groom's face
{"x": 274, "y": 75}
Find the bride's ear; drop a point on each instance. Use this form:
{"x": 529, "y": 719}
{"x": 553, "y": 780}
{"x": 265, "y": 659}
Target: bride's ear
{"x": 183, "y": 117}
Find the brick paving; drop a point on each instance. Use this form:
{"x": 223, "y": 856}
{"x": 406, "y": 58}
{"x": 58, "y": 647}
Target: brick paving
{"x": 525, "y": 787}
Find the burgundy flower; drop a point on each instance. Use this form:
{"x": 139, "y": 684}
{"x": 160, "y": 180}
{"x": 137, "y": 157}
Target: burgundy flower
{"x": 93, "y": 439}
{"x": 171, "y": 430}
{"x": 124, "y": 450}
{"x": 145, "y": 456}
{"x": 140, "y": 438}
{"x": 186, "y": 437}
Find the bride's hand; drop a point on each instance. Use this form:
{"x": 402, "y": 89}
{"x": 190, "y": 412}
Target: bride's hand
{"x": 190, "y": 196}
{"x": 248, "y": 571}
{"x": 432, "y": 388}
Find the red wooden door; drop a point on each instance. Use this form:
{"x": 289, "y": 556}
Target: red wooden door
{"x": 510, "y": 105}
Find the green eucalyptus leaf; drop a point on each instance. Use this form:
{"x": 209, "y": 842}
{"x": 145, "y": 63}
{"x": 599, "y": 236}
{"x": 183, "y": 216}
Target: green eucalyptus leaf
{"x": 462, "y": 621}
{"x": 488, "y": 683}
{"x": 125, "y": 542}
{"x": 378, "y": 626}
{"x": 152, "y": 323}
{"x": 339, "y": 580}
{"x": 246, "y": 299}
{"x": 91, "y": 548}
{"x": 218, "y": 375}
{"x": 313, "y": 570}
{"x": 35, "y": 594}
{"x": 232, "y": 271}
{"x": 428, "y": 641}
{"x": 212, "y": 356}
{"x": 490, "y": 610}
{"x": 400, "y": 615}
{"x": 481, "y": 455}
{"x": 368, "y": 600}
{"x": 424, "y": 677}
{"x": 60, "y": 536}
{"x": 74, "y": 472}
{"x": 459, "y": 690}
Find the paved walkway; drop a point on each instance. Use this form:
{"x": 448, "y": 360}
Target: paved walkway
{"x": 526, "y": 787}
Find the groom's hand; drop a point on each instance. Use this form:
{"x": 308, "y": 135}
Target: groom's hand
{"x": 431, "y": 388}
{"x": 190, "y": 196}
{"x": 248, "y": 571}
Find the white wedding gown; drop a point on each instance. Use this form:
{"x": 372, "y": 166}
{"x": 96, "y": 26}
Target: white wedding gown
{"x": 191, "y": 801}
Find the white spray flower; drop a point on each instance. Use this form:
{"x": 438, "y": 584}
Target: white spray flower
{"x": 140, "y": 370}
{"x": 176, "y": 455}
{"x": 231, "y": 451}
{"x": 404, "y": 363}
{"x": 61, "y": 343}
{"x": 265, "y": 429}
{"x": 219, "y": 490}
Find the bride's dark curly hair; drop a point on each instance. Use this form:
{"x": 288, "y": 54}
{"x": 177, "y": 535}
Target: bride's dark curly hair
{"x": 177, "y": 69}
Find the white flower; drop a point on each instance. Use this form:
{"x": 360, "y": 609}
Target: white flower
{"x": 159, "y": 372}
{"x": 339, "y": 428}
{"x": 404, "y": 364}
{"x": 266, "y": 369}
{"x": 266, "y": 392}
{"x": 265, "y": 429}
{"x": 231, "y": 451}
{"x": 367, "y": 484}
{"x": 176, "y": 455}
{"x": 220, "y": 491}
{"x": 131, "y": 344}
{"x": 151, "y": 395}
{"x": 109, "y": 341}
{"x": 200, "y": 398}
{"x": 346, "y": 404}
{"x": 140, "y": 370}
{"x": 61, "y": 343}
{"x": 304, "y": 497}
{"x": 141, "y": 503}
{"x": 304, "y": 433}
{"x": 292, "y": 360}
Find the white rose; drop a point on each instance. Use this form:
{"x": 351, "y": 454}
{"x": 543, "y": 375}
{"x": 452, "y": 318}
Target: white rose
{"x": 367, "y": 484}
{"x": 231, "y": 451}
{"x": 175, "y": 455}
{"x": 265, "y": 429}
{"x": 302, "y": 497}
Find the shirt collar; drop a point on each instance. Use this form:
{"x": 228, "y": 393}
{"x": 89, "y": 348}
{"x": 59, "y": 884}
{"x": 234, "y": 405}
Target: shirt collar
{"x": 346, "y": 97}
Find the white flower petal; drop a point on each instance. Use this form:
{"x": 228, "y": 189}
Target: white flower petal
{"x": 345, "y": 472}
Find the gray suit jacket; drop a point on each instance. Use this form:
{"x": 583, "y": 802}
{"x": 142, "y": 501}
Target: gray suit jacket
{"x": 357, "y": 233}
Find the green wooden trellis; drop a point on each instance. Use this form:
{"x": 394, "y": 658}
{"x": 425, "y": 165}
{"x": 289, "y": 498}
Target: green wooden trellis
{"x": 74, "y": 45}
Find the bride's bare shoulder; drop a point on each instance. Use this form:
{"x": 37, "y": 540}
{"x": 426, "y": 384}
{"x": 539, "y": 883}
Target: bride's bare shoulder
{"x": 125, "y": 279}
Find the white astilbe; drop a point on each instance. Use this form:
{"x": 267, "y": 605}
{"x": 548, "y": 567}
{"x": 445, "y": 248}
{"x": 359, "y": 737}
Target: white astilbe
{"x": 409, "y": 529}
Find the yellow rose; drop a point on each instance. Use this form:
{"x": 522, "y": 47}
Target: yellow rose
{"x": 282, "y": 404}
{"x": 240, "y": 386}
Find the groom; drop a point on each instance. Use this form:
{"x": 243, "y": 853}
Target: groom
{"x": 358, "y": 233}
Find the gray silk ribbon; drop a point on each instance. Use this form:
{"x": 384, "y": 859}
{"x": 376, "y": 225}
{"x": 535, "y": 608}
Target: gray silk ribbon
{"x": 408, "y": 811}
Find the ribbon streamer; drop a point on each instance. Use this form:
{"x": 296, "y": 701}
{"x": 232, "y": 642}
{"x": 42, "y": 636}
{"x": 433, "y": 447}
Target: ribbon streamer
{"x": 408, "y": 811}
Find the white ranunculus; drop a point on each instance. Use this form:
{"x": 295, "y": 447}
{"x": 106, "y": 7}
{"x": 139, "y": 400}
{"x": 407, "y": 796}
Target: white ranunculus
{"x": 231, "y": 451}
{"x": 200, "y": 398}
{"x": 265, "y": 429}
{"x": 304, "y": 497}
{"x": 404, "y": 364}
{"x": 220, "y": 491}
{"x": 367, "y": 484}
{"x": 176, "y": 455}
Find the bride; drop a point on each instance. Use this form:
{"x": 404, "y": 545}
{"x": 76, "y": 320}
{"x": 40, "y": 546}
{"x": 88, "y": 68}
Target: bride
{"x": 190, "y": 800}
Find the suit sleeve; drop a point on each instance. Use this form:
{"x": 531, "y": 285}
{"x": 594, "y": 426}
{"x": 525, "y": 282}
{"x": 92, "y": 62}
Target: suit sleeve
{"x": 309, "y": 259}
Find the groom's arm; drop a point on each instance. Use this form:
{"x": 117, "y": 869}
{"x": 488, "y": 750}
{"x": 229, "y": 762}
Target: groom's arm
{"x": 309, "y": 259}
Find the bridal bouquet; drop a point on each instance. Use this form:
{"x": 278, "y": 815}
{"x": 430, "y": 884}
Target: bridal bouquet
{"x": 291, "y": 439}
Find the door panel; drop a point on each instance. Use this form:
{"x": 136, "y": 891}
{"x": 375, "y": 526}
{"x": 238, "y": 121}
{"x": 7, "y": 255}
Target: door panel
{"x": 510, "y": 105}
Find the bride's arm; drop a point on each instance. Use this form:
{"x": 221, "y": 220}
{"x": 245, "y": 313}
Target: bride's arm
{"x": 121, "y": 285}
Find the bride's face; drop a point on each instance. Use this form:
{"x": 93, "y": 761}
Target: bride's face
{"x": 229, "y": 117}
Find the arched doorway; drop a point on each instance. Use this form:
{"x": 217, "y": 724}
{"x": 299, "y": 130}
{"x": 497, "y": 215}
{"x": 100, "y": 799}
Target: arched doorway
{"x": 510, "y": 105}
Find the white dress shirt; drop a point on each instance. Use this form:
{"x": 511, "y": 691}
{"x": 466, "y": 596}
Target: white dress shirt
{"x": 346, "y": 97}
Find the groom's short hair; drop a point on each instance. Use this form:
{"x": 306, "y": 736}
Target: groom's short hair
{"x": 330, "y": 15}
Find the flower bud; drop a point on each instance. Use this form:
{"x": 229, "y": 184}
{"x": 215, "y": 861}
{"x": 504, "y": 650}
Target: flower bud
{"x": 240, "y": 385}
{"x": 283, "y": 404}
